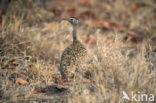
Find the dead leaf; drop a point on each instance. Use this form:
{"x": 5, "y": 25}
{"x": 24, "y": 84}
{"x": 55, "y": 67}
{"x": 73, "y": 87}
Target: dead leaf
{"x": 22, "y": 95}
{"x": 87, "y": 15}
{"x": 45, "y": 90}
{"x": 42, "y": 90}
{"x": 154, "y": 16}
{"x": 84, "y": 1}
{"x": 52, "y": 66}
{"x": 62, "y": 2}
{"x": 103, "y": 23}
{"x": 71, "y": 12}
{"x": 109, "y": 41}
{"x": 136, "y": 39}
{"x": 86, "y": 80}
{"x": 48, "y": 26}
{"x": 56, "y": 11}
{"x": 1, "y": 93}
{"x": 135, "y": 7}
{"x": 2, "y": 11}
{"x": 108, "y": 25}
{"x": 132, "y": 38}
{"x": 12, "y": 60}
{"x": 21, "y": 81}
{"x": 90, "y": 39}
{"x": 37, "y": 91}
{"x": 87, "y": 39}
{"x": 9, "y": 82}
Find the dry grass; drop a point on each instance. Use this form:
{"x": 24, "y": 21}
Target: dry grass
{"x": 30, "y": 48}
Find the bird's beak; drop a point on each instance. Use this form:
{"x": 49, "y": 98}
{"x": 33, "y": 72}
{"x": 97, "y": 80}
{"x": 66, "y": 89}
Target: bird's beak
{"x": 60, "y": 20}
{"x": 65, "y": 19}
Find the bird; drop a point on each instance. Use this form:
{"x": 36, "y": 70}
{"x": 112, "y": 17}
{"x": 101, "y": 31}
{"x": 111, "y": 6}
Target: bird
{"x": 74, "y": 55}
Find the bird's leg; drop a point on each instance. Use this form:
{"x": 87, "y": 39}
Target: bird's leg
{"x": 75, "y": 75}
{"x": 64, "y": 80}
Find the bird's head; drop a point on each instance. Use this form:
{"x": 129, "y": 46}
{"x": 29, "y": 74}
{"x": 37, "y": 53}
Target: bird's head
{"x": 72, "y": 20}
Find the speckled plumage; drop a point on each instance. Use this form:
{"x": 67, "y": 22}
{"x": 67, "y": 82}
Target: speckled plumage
{"x": 72, "y": 57}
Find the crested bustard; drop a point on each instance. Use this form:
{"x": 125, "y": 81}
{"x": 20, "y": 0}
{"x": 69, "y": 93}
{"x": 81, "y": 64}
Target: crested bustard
{"x": 74, "y": 55}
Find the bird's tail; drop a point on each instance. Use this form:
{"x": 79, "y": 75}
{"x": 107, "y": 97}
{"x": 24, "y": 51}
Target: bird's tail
{"x": 63, "y": 76}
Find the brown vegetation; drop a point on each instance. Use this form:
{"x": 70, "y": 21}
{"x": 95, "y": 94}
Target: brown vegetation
{"x": 119, "y": 36}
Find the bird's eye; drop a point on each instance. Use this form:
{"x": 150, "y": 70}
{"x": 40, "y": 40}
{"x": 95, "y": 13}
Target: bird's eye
{"x": 72, "y": 19}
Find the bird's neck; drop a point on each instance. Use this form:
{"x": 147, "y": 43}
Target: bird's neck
{"x": 74, "y": 32}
